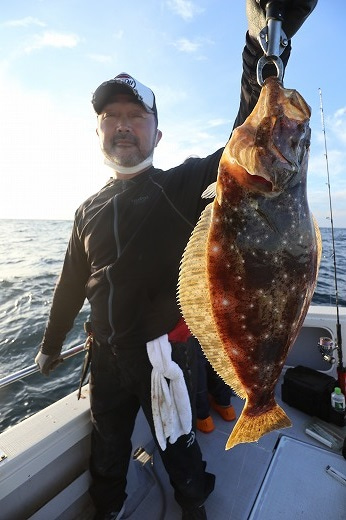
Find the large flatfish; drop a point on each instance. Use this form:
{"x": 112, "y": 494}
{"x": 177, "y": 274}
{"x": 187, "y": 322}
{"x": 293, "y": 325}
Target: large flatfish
{"x": 249, "y": 271}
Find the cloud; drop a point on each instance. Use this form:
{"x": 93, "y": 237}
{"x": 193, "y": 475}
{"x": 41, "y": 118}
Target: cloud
{"x": 188, "y": 46}
{"x": 193, "y": 47}
{"x": 335, "y": 135}
{"x": 48, "y": 155}
{"x": 184, "y": 8}
{"x": 336, "y": 124}
{"x": 336, "y": 163}
{"x": 53, "y": 39}
{"x": 318, "y": 188}
{"x": 219, "y": 122}
{"x": 340, "y": 113}
{"x": 100, "y": 58}
{"x": 24, "y": 22}
{"x": 181, "y": 140}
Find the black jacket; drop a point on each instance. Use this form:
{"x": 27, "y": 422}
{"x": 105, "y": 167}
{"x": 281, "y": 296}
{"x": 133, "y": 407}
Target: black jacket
{"x": 127, "y": 242}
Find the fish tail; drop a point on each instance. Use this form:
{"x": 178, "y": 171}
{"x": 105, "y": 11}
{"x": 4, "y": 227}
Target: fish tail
{"x": 250, "y": 428}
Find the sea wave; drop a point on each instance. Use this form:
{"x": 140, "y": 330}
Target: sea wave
{"x": 28, "y": 271}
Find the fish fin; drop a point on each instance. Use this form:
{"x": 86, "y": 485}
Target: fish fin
{"x": 318, "y": 240}
{"x": 194, "y": 301}
{"x": 210, "y": 192}
{"x": 249, "y": 428}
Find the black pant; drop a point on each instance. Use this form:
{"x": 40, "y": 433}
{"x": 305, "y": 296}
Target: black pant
{"x": 120, "y": 383}
{"x": 209, "y": 382}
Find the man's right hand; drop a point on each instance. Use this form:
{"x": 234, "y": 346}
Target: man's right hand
{"x": 47, "y": 363}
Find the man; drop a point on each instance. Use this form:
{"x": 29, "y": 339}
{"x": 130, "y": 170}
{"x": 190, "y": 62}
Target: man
{"x": 212, "y": 392}
{"x": 124, "y": 255}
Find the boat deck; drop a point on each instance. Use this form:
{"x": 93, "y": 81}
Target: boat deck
{"x": 283, "y": 476}
{"x": 43, "y": 471}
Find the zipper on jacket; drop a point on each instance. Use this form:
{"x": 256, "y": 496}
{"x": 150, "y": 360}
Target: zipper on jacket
{"x": 111, "y": 286}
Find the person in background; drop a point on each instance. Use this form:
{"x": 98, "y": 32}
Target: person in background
{"x": 213, "y": 392}
{"x": 123, "y": 256}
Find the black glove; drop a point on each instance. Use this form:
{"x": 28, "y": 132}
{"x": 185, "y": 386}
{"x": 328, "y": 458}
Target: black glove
{"x": 295, "y": 12}
{"x": 46, "y": 362}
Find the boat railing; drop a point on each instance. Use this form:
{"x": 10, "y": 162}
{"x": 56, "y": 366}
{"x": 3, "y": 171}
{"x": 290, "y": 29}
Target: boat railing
{"x": 28, "y": 371}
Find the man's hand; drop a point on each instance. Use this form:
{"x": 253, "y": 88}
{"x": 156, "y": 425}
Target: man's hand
{"x": 295, "y": 12}
{"x": 47, "y": 363}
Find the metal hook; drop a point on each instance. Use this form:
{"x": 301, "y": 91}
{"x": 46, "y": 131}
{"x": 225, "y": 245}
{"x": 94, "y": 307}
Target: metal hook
{"x": 272, "y": 39}
{"x": 265, "y": 60}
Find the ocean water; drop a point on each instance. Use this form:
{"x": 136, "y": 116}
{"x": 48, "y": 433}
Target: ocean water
{"x": 31, "y": 256}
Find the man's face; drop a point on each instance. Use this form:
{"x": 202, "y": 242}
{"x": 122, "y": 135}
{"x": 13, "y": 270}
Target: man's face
{"x": 127, "y": 132}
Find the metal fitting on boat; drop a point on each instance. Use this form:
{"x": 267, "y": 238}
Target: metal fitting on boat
{"x": 3, "y": 456}
{"x": 142, "y": 456}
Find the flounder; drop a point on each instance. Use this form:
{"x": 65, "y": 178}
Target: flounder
{"x": 249, "y": 270}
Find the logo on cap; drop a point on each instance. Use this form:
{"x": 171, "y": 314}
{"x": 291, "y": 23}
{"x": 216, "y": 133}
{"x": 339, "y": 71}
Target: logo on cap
{"x": 125, "y": 78}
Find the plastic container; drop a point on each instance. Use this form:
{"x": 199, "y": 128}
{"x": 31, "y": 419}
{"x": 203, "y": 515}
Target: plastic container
{"x": 338, "y": 400}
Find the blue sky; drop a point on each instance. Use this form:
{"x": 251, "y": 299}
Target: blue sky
{"x": 54, "y": 53}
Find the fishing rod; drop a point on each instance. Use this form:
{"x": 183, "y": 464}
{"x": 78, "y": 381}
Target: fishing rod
{"x": 32, "y": 369}
{"x": 340, "y": 368}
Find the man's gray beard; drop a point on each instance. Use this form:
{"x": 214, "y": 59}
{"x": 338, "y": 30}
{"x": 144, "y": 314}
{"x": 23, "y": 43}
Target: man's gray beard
{"x": 130, "y": 170}
{"x": 132, "y": 160}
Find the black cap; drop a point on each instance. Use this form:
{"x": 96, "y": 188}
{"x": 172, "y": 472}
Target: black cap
{"x": 124, "y": 83}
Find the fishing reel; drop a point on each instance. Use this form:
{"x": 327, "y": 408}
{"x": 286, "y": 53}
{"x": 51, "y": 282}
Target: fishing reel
{"x": 326, "y": 347}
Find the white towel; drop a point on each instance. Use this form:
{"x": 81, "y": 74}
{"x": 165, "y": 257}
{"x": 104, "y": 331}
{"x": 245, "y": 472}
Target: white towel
{"x": 171, "y": 405}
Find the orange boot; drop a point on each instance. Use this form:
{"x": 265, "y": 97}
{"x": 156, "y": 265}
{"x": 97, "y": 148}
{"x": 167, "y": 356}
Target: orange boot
{"x": 206, "y": 425}
{"x": 226, "y": 412}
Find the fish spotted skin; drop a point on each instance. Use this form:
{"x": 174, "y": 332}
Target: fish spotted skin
{"x": 250, "y": 268}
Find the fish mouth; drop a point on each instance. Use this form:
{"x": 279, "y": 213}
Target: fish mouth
{"x": 259, "y": 183}
{"x": 254, "y": 181}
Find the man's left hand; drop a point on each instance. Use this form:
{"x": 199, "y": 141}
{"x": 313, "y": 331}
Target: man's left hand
{"x": 295, "y": 12}
{"x": 47, "y": 363}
